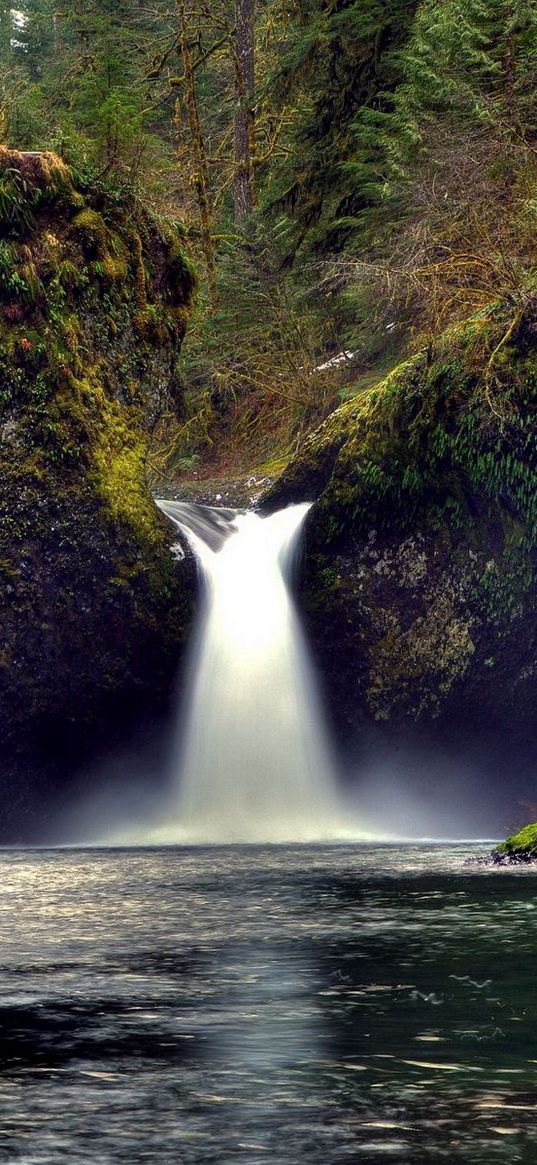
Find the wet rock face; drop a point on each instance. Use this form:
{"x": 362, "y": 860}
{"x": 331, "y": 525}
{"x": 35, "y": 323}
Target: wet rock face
{"x": 424, "y": 631}
{"x": 94, "y": 299}
{"x": 418, "y": 584}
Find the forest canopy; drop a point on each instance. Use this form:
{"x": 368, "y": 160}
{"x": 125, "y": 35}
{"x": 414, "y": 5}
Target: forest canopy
{"x": 350, "y": 176}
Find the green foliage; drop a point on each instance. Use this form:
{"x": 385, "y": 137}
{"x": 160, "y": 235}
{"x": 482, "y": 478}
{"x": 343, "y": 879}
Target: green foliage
{"x": 338, "y": 64}
{"x": 522, "y": 845}
{"x": 254, "y": 365}
{"x": 395, "y": 170}
{"x": 429, "y": 443}
{"x": 79, "y": 391}
{"x": 475, "y": 59}
{"x": 453, "y": 172}
{"x": 16, "y": 200}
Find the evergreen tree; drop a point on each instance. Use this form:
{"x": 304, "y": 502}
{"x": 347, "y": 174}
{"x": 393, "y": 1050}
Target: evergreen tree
{"x": 453, "y": 220}
{"x": 472, "y": 62}
{"x": 339, "y": 59}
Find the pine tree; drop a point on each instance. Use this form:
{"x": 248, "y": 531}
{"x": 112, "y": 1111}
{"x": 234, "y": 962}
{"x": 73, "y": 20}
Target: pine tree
{"x": 453, "y": 221}
{"x": 472, "y": 63}
{"x": 339, "y": 60}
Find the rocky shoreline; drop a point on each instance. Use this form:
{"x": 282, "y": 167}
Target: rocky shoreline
{"x": 518, "y": 850}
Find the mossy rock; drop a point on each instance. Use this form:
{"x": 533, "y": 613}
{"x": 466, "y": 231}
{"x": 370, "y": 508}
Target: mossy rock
{"x": 419, "y": 578}
{"x": 95, "y": 609}
{"x": 521, "y": 847}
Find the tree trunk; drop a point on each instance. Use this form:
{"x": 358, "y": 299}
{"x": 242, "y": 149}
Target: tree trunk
{"x": 201, "y": 169}
{"x": 57, "y": 32}
{"x": 6, "y": 30}
{"x": 244, "y": 54}
{"x": 509, "y": 69}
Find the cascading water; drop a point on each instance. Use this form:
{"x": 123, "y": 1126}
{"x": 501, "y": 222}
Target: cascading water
{"x": 251, "y": 763}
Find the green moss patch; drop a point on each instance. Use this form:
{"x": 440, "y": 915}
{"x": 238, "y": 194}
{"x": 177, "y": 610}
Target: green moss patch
{"x": 94, "y": 601}
{"x": 522, "y": 845}
{"x": 433, "y": 437}
{"x": 419, "y": 581}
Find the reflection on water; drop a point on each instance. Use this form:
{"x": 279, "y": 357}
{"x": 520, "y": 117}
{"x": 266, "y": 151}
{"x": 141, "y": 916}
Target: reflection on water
{"x": 310, "y": 1004}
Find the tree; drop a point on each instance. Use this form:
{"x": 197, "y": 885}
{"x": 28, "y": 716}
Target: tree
{"x": 244, "y": 61}
{"x": 6, "y": 32}
{"x": 201, "y": 169}
{"x": 453, "y": 224}
{"x": 339, "y": 59}
{"x": 473, "y": 62}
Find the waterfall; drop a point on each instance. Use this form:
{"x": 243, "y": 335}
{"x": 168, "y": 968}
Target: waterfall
{"x": 251, "y": 761}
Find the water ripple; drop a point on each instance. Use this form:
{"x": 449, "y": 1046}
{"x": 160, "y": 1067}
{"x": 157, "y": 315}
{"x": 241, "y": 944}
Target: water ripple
{"x": 304, "y": 1004}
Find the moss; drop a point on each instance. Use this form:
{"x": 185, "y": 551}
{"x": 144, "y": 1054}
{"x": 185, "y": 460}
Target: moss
{"x": 89, "y": 230}
{"x": 463, "y": 426}
{"x": 177, "y": 319}
{"x": 112, "y": 268}
{"x": 80, "y": 389}
{"x": 271, "y": 468}
{"x": 498, "y": 590}
{"x": 150, "y": 325}
{"x": 76, "y": 201}
{"x": 420, "y": 567}
{"x": 140, "y": 281}
{"x": 181, "y": 277}
{"x": 522, "y": 845}
{"x": 418, "y": 667}
{"x": 19, "y": 279}
{"x": 28, "y": 181}
{"x": 120, "y": 453}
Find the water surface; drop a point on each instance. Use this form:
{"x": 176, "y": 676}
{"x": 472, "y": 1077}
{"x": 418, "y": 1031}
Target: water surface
{"x": 306, "y": 1004}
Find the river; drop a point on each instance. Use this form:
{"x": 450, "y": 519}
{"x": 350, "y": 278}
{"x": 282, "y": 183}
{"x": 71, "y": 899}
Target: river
{"x": 316, "y": 1004}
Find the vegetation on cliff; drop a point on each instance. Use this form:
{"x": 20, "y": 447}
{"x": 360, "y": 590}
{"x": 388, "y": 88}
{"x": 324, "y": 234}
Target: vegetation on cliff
{"x": 357, "y": 183}
{"x": 386, "y": 161}
{"x": 94, "y": 298}
{"x": 421, "y": 547}
{"x": 521, "y": 847}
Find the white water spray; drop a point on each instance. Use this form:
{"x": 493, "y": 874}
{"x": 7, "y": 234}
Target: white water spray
{"x": 251, "y": 763}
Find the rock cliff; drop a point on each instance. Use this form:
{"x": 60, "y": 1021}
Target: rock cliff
{"x": 94, "y": 299}
{"x": 419, "y": 580}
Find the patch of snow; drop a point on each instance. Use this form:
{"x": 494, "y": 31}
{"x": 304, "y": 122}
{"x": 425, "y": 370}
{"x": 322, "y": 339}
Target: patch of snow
{"x": 334, "y": 362}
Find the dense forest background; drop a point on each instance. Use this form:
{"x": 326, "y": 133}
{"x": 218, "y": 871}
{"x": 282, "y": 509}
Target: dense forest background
{"x": 352, "y": 177}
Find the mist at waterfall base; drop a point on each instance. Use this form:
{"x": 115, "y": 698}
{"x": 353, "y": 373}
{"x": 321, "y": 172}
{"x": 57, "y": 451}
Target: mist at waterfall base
{"x": 251, "y": 762}
{"x": 252, "y": 759}
{"x": 247, "y": 758}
